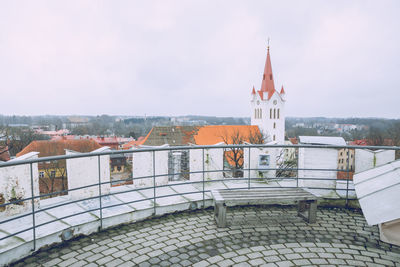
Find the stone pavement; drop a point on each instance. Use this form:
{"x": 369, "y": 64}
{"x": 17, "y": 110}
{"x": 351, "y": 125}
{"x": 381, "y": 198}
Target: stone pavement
{"x": 256, "y": 236}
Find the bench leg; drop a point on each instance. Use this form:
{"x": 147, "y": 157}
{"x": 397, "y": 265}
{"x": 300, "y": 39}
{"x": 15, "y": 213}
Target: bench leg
{"x": 308, "y": 210}
{"x": 312, "y": 212}
{"x": 220, "y": 214}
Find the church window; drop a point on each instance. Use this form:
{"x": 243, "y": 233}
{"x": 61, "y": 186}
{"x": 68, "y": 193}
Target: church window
{"x": 270, "y": 113}
{"x": 274, "y": 125}
{"x": 270, "y": 76}
{"x": 260, "y": 113}
{"x": 274, "y": 113}
{"x": 278, "y": 113}
{"x": 274, "y": 138}
{"x": 264, "y": 77}
{"x": 255, "y": 113}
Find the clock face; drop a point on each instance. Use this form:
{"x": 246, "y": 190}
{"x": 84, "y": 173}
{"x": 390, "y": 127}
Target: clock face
{"x": 275, "y": 102}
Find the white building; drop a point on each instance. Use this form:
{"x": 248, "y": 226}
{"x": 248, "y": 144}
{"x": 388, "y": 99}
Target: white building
{"x": 267, "y": 107}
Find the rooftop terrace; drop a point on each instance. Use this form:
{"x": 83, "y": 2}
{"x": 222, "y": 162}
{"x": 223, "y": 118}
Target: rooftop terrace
{"x": 269, "y": 236}
{"x": 161, "y": 214}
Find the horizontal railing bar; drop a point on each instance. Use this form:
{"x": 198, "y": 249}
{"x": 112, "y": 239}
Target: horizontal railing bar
{"x": 113, "y": 152}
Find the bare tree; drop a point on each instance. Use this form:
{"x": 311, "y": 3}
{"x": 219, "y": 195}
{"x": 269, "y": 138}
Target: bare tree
{"x": 234, "y": 157}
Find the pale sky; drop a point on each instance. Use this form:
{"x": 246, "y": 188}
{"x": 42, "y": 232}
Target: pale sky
{"x": 335, "y": 58}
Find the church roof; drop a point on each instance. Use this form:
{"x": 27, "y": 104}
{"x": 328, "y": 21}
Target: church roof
{"x": 282, "y": 90}
{"x": 267, "y": 84}
{"x": 201, "y": 135}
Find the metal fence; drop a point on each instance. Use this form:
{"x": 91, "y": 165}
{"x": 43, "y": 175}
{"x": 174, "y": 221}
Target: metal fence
{"x": 289, "y": 172}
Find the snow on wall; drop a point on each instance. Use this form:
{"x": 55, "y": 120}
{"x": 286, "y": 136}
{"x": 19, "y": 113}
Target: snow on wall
{"x": 15, "y": 184}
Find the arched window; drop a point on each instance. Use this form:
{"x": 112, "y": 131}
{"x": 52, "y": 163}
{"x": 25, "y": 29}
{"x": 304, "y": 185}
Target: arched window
{"x": 274, "y": 113}
{"x": 274, "y": 125}
{"x": 278, "y": 113}
{"x": 270, "y": 113}
{"x": 274, "y": 137}
{"x": 255, "y": 113}
{"x": 260, "y": 113}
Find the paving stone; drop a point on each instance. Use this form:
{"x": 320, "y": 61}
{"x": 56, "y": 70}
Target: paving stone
{"x": 384, "y": 262}
{"x": 104, "y": 260}
{"x": 225, "y": 263}
{"x": 79, "y": 263}
{"x": 68, "y": 262}
{"x": 318, "y": 261}
{"x": 215, "y": 259}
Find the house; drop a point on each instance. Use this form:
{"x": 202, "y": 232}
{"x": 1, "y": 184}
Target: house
{"x": 111, "y": 142}
{"x": 76, "y": 121}
{"x": 52, "y": 174}
{"x": 4, "y": 153}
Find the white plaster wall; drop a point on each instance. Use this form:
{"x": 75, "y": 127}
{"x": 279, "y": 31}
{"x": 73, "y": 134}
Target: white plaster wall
{"x": 15, "y": 182}
{"x": 142, "y": 165}
{"x": 254, "y": 156}
{"x": 366, "y": 159}
{"x": 318, "y": 158}
{"x": 213, "y": 161}
{"x": 85, "y": 171}
{"x": 196, "y": 164}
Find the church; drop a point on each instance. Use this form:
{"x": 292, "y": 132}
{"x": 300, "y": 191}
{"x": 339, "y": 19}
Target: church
{"x": 268, "y": 107}
{"x": 267, "y": 121}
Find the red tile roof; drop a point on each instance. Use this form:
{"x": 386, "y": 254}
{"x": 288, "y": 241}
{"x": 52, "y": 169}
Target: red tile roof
{"x": 53, "y": 148}
{"x": 214, "y": 134}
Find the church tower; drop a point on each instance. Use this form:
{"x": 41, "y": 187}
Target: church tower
{"x": 268, "y": 107}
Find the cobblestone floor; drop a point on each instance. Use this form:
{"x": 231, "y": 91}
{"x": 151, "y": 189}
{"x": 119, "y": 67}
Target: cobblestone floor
{"x": 265, "y": 236}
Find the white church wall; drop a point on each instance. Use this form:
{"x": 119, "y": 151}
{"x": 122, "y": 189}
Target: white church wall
{"x": 15, "y": 184}
{"x": 85, "y": 171}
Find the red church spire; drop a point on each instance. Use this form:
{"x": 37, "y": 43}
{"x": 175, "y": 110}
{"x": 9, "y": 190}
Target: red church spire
{"x": 282, "y": 91}
{"x": 267, "y": 84}
{"x": 254, "y": 91}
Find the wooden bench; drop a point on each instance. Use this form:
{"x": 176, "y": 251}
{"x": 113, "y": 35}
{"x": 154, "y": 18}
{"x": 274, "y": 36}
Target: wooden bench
{"x": 307, "y": 202}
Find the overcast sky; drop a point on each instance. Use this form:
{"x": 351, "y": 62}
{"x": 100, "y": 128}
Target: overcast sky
{"x": 334, "y": 58}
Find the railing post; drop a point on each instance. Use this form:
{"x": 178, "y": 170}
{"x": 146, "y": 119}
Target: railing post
{"x": 154, "y": 183}
{"x": 33, "y": 211}
{"x": 297, "y": 176}
{"x": 204, "y": 201}
{"x": 248, "y": 173}
{"x": 100, "y": 202}
{"x": 348, "y": 176}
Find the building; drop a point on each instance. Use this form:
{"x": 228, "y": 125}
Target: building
{"x": 53, "y": 174}
{"x": 4, "y": 153}
{"x": 202, "y": 135}
{"x": 267, "y": 106}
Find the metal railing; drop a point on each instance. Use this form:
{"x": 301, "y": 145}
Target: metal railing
{"x": 247, "y": 179}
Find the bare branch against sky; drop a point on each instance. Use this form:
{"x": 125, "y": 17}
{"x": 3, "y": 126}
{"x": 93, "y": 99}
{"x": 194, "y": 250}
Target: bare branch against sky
{"x": 335, "y": 58}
